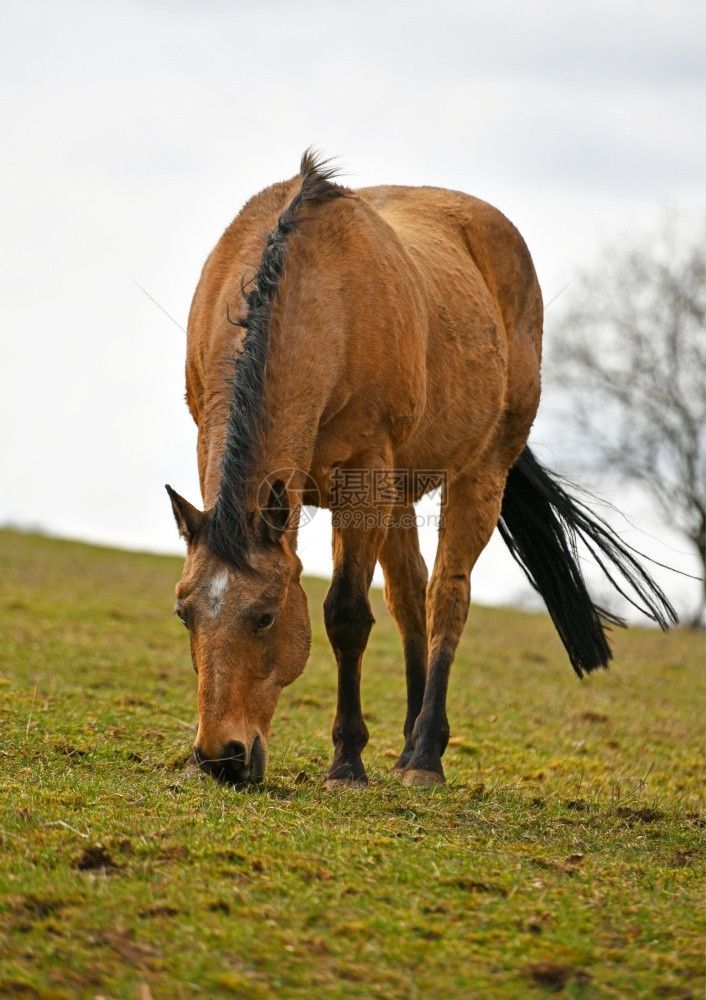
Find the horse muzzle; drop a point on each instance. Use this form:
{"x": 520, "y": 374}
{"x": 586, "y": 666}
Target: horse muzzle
{"x": 233, "y": 764}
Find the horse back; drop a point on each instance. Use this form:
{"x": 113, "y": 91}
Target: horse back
{"x": 484, "y": 310}
{"x": 437, "y": 225}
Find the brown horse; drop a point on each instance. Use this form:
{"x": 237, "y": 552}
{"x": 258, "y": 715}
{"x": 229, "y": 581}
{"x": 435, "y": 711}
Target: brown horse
{"x": 354, "y": 350}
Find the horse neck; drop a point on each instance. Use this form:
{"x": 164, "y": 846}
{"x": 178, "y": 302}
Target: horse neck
{"x": 295, "y": 397}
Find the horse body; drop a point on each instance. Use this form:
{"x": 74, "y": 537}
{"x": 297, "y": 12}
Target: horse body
{"x": 414, "y": 314}
{"x": 386, "y": 330}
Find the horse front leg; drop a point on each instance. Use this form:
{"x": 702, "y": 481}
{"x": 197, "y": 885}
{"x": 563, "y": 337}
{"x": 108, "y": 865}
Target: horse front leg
{"x": 348, "y": 620}
{"x": 469, "y": 516}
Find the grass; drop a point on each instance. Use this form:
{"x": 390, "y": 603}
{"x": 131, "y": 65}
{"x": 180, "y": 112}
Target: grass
{"x": 564, "y": 854}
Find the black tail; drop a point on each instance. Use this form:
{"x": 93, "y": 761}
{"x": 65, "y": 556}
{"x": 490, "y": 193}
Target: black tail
{"x": 541, "y": 523}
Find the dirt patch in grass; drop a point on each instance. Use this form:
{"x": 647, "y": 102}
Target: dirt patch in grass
{"x": 96, "y": 857}
{"x": 556, "y": 977}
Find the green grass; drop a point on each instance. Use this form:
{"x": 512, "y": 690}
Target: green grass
{"x": 565, "y": 852}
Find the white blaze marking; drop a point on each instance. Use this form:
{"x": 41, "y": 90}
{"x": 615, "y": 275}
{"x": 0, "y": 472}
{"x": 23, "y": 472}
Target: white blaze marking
{"x": 217, "y": 591}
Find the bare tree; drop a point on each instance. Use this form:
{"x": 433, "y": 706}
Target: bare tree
{"x": 629, "y": 355}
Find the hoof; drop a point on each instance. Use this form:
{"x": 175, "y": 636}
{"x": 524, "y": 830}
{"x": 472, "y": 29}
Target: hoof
{"x": 340, "y": 784}
{"x": 422, "y": 779}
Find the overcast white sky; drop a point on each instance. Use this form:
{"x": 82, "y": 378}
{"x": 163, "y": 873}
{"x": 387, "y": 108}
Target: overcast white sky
{"x": 132, "y": 132}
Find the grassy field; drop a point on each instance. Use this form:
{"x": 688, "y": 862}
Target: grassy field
{"x": 564, "y": 854}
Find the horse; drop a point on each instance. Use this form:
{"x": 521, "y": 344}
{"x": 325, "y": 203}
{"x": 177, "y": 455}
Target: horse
{"x": 354, "y": 350}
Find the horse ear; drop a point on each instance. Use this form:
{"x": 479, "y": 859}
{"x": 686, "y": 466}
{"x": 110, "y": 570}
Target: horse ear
{"x": 188, "y": 518}
{"x": 275, "y": 516}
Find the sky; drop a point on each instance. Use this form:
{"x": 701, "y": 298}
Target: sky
{"x": 133, "y": 132}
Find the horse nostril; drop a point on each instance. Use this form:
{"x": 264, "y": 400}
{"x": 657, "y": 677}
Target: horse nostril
{"x": 258, "y": 760}
{"x": 234, "y": 756}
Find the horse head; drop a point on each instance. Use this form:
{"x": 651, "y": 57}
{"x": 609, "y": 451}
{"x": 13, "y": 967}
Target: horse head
{"x": 249, "y": 630}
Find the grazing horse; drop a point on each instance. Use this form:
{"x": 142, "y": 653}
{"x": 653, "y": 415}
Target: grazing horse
{"x": 355, "y": 350}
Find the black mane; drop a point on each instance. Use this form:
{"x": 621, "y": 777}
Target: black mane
{"x": 226, "y": 530}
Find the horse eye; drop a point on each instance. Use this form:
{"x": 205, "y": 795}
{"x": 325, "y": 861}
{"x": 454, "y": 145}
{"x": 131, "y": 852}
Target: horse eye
{"x": 262, "y": 622}
{"x": 181, "y": 615}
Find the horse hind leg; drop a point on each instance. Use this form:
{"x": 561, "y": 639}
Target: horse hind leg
{"x": 405, "y": 587}
{"x": 469, "y": 516}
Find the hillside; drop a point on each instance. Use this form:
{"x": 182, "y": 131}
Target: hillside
{"x": 565, "y": 852}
